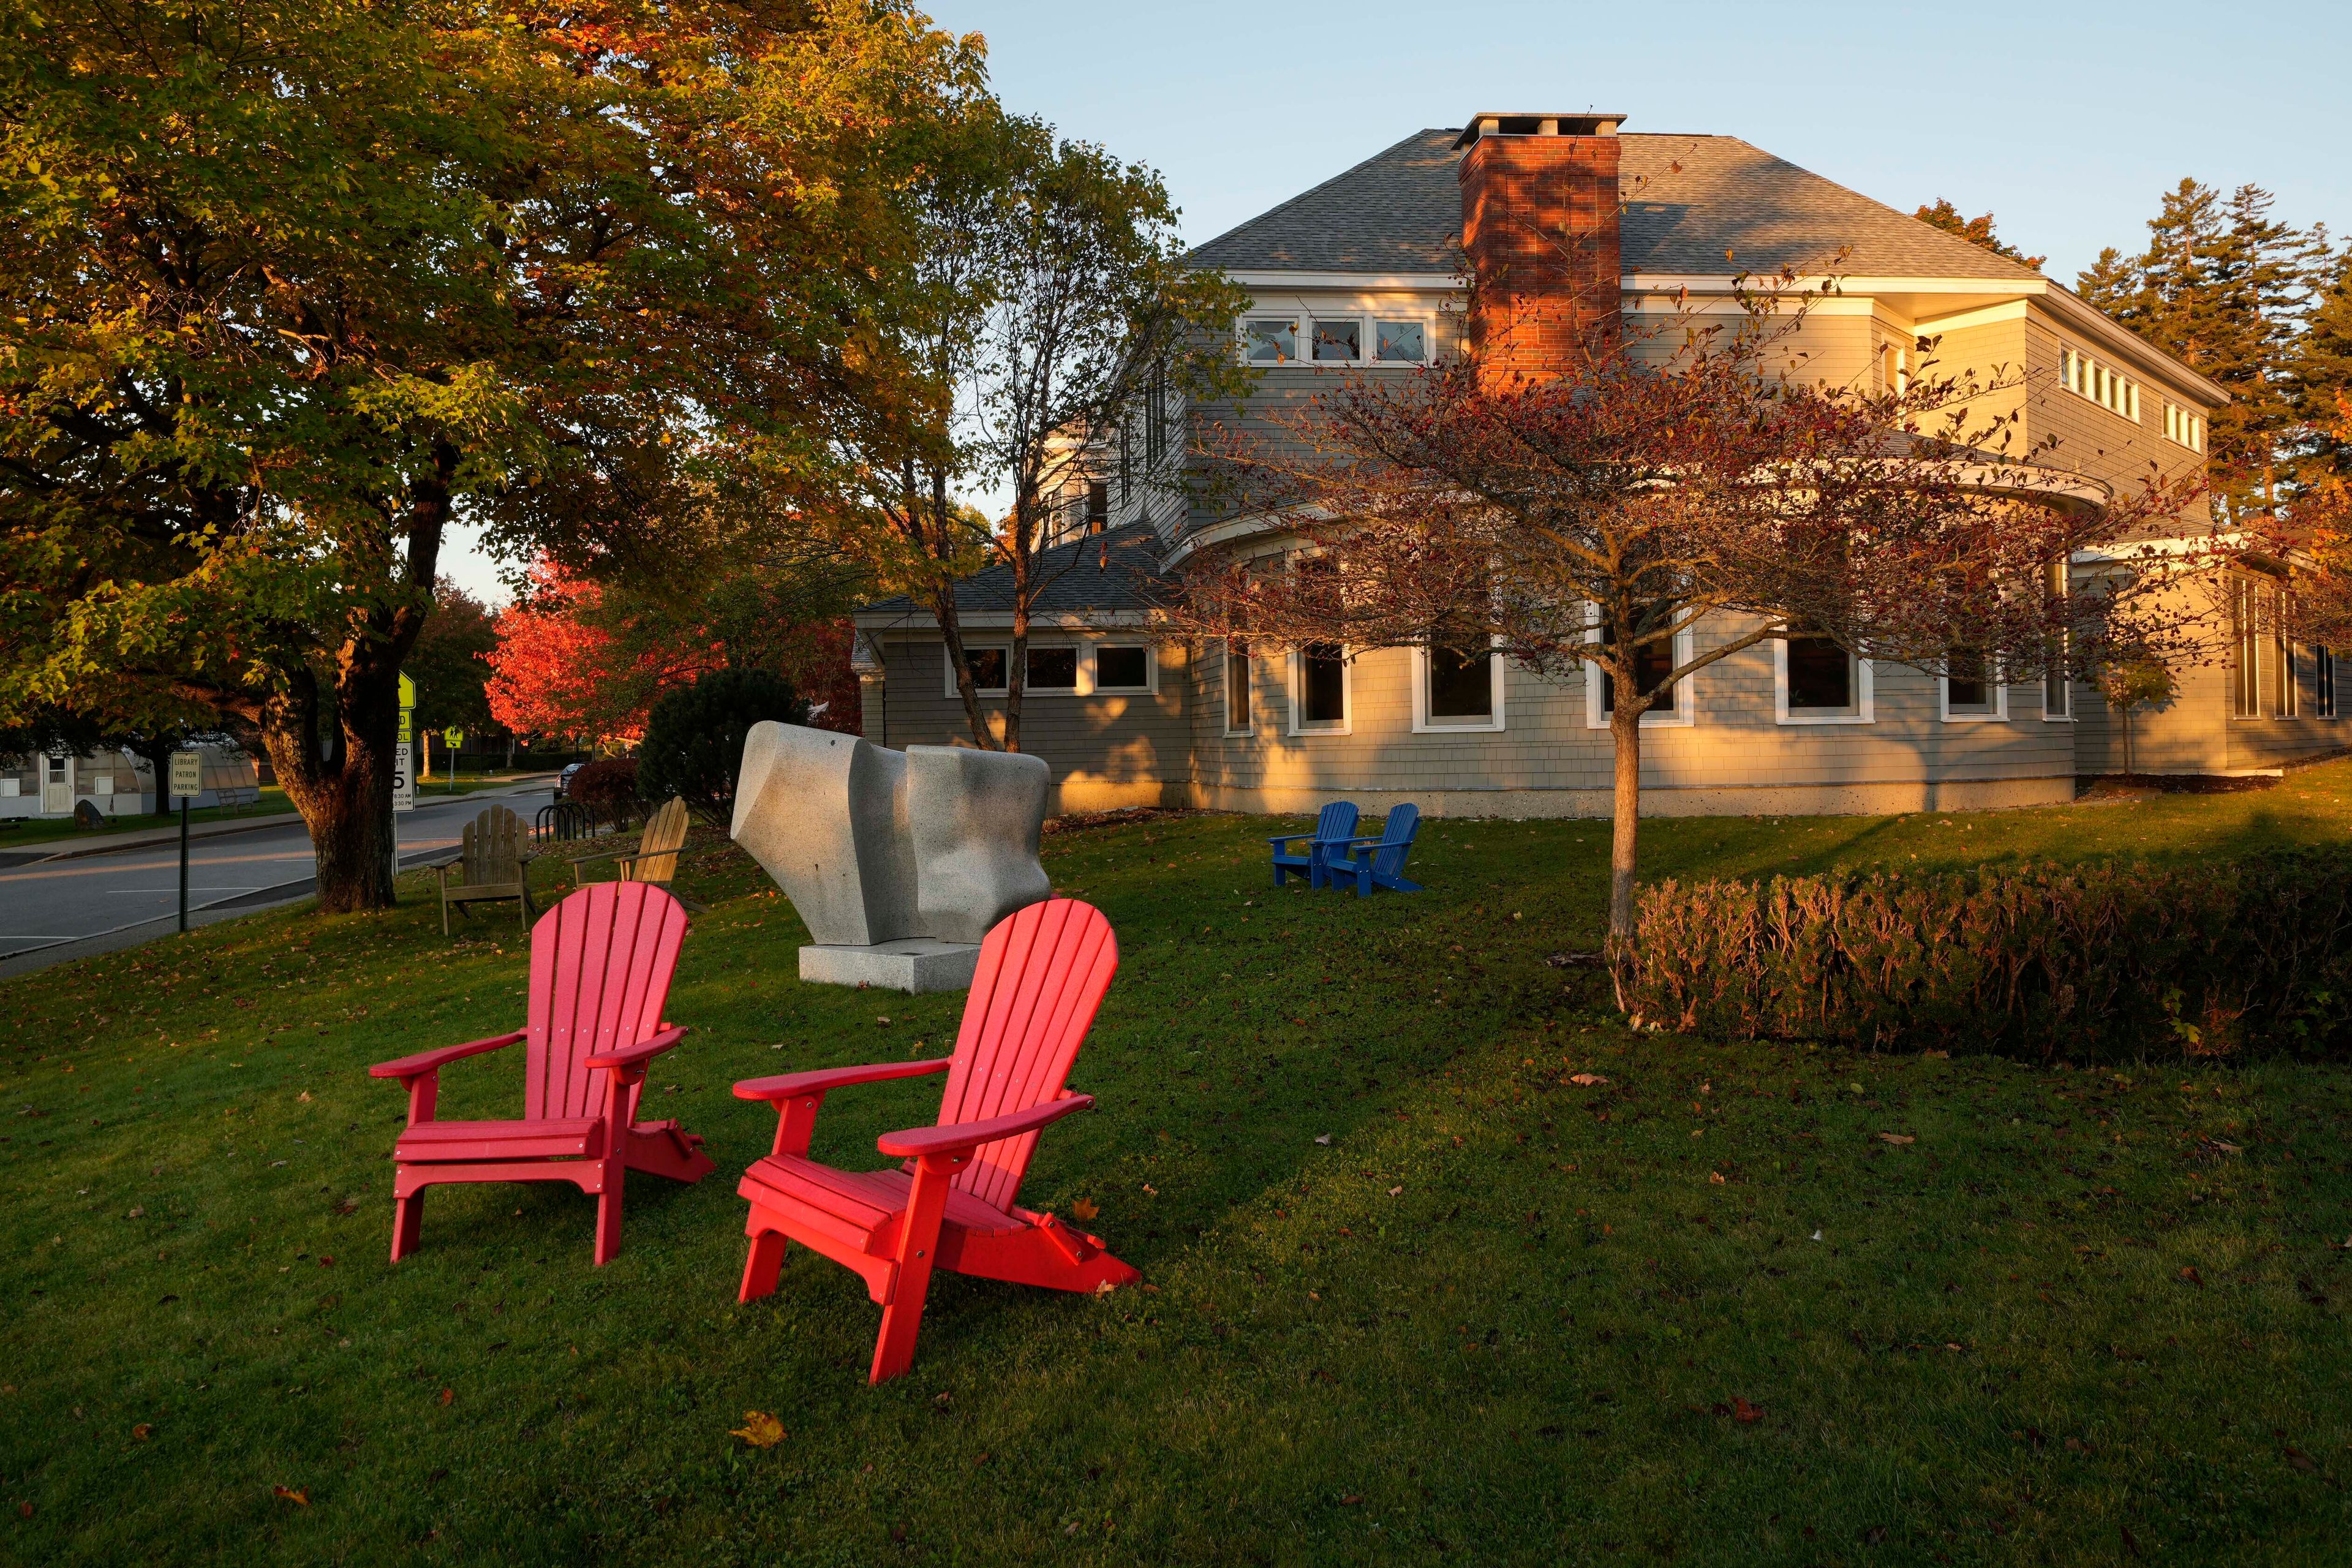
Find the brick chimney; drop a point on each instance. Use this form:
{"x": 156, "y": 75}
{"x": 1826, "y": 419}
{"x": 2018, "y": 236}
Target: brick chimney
{"x": 1540, "y": 222}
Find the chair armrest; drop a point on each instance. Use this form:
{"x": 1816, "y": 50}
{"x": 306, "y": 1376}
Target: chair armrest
{"x": 592, "y": 859}
{"x": 917, "y": 1142}
{"x": 823, "y": 1078}
{"x": 1351, "y": 843}
{"x": 680, "y": 853}
{"x": 642, "y": 1052}
{"x": 1279, "y": 839}
{"x": 433, "y": 1061}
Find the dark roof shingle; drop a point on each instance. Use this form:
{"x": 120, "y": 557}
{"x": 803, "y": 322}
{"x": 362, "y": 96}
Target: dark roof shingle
{"x": 1114, "y": 571}
{"x": 1688, "y": 200}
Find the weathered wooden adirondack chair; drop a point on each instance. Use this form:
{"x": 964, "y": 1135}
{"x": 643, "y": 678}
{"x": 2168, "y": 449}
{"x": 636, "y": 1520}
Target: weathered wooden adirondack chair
{"x": 490, "y": 864}
{"x": 600, "y": 969}
{"x": 1332, "y": 827}
{"x": 656, "y": 857}
{"x": 1043, "y": 972}
{"x": 1378, "y": 861}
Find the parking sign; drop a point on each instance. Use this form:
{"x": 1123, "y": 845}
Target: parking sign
{"x": 187, "y": 779}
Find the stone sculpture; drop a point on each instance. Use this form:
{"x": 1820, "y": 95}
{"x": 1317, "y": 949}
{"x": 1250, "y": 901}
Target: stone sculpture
{"x": 898, "y": 862}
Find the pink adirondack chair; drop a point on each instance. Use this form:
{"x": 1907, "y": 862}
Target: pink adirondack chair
{"x": 600, "y": 971}
{"x": 1043, "y": 972}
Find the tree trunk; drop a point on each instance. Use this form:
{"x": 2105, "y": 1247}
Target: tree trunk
{"x": 1016, "y": 673}
{"x": 943, "y": 610}
{"x": 1625, "y": 839}
{"x": 2127, "y": 746}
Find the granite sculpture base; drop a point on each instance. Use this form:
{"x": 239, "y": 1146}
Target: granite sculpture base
{"x": 913, "y": 964}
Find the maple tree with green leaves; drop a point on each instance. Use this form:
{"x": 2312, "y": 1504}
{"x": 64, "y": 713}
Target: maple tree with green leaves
{"x": 289, "y": 290}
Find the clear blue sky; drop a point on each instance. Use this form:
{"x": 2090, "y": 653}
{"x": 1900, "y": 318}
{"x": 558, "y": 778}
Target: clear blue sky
{"x": 2065, "y": 120}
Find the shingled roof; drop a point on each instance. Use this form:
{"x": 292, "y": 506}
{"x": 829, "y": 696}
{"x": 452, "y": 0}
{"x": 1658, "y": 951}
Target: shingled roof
{"x": 1119, "y": 570}
{"x": 1689, "y": 200}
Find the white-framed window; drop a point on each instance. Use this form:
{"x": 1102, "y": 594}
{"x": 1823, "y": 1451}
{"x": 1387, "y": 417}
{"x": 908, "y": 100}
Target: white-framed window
{"x": 2057, "y": 688}
{"x": 1651, "y": 663}
{"x": 1270, "y": 340}
{"x": 1114, "y": 668}
{"x": 988, "y": 661}
{"x": 1895, "y": 369}
{"x": 1110, "y": 667}
{"x": 1322, "y": 690}
{"x": 2245, "y": 649}
{"x": 1971, "y": 690}
{"x": 2102, "y": 384}
{"x": 2323, "y": 682}
{"x": 2286, "y": 699}
{"x": 1456, "y": 689}
{"x": 2182, "y": 427}
{"x": 1815, "y": 681}
{"x": 1340, "y": 338}
{"x": 1239, "y": 715}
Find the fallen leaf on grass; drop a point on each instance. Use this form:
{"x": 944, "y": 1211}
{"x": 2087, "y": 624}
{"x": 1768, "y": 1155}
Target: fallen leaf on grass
{"x": 1742, "y": 1410}
{"x": 448, "y": 1395}
{"x": 1323, "y": 1138}
{"x": 1352, "y": 1499}
{"x": 760, "y": 1429}
{"x": 1587, "y": 1080}
{"x": 2191, "y": 1275}
{"x": 1396, "y": 1192}
{"x": 1896, "y": 1138}
{"x": 142, "y": 1432}
{"x": 2299, "y": 1459}
{"x": 1716, "y": 1177}
{"x": 1152, "y": 1190}
{"x": 1081, "y": 1209}
{"x": 299, "y": 1496}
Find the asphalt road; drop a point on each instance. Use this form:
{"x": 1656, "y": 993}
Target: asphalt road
{"x": 129, "y": 895}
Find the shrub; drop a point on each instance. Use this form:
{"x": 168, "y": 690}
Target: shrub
{"x": 2079, "y": 962}
{"x": 694, "y": 736}
{"x": 607, "y": 788}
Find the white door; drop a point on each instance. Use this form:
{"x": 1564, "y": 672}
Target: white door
{"x": 57, "y": 786}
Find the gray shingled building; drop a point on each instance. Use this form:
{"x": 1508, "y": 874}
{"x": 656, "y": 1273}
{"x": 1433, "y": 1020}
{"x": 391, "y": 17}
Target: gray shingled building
{"x": 1361, "y": 275}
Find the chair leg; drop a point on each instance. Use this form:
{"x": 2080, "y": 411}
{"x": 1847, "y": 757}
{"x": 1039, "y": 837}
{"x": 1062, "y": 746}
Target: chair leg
{"x": 608, "y": 1213}
{"x": 760, "y": 1268}
{"x": 407, "y": 1224}
{"x": 444, "y": 906}
{"x": 918, "y": 1242}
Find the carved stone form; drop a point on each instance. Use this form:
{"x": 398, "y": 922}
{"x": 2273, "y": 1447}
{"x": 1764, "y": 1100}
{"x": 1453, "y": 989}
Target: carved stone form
{"x": 897, "y": 862}
{"x": 974, "y": 817}
{"x": 824, "y": 815}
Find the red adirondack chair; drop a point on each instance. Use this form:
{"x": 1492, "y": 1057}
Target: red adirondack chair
{"x": 1043, "y": 972}
{"x": 600, "y": 969}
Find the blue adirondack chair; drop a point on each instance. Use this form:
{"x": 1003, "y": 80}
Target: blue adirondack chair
{"x": 1332, "y": 827}
{"x": 1379, "y": 862}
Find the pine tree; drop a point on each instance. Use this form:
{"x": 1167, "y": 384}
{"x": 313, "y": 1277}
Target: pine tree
{"x": 2221, "y": 287}
{"x": 1979, "y": 230}
{"x": 2320, "y": 373}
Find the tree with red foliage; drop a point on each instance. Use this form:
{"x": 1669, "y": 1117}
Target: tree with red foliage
{"x": 579, "y": 658}
{"x": 1591, "y": 517}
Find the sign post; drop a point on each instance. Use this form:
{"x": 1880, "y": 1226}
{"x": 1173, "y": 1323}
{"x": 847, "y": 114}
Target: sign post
{"x": 404, "y": 776}
{"x": 187, "y": 782}
{"x": 453, "y": 736}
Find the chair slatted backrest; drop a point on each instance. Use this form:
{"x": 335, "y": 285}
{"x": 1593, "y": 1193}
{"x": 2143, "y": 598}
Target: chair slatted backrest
{"x": 1337, "y": 821}
{"x": 1043, "y": 971}
{"x": 658, "y": 848}
{"x": 600, "y": 967}
{"x": 1396, "y": 837}
{"x": 490, "y": 849}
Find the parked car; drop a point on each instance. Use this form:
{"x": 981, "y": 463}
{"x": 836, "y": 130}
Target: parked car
{"x": 564, "y": 779}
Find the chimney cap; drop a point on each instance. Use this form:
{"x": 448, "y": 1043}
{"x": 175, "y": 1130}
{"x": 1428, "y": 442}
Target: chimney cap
{"x": 1496, "y": 123}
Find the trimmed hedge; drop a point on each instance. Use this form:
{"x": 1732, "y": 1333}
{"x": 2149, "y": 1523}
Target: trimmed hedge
{"x": 2079, "y": 962}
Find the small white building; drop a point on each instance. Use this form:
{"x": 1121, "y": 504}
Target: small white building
{"x": 116, "y": 783}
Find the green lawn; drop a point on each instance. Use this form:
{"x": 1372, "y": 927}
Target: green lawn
{"x": 1703, "y": 1311}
